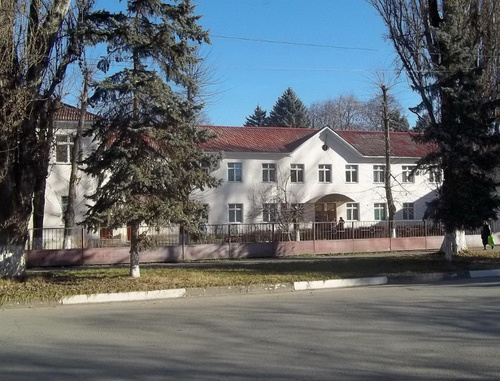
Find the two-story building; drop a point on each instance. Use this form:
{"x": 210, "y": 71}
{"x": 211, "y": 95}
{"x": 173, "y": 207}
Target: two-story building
{"x": 271, "y": 172}
{"x": 322, "y": 175}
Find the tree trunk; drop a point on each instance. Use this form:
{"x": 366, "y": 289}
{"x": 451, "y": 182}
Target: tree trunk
{"x": 387, "y": 178}
{"x": 69, "y": 215}
{"x": 135, "y": 271}
{"x": 453, "y": 244}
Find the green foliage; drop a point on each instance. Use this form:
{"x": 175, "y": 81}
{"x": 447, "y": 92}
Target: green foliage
{"x": 257, "y": 119}
{"x": 146, "y": 160}
{"x": 289, "y": 111}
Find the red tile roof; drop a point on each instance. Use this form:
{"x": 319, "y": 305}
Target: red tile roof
{"x": 284, "y": 140}
{"x": 71, "y": 113}
{"x": 257, "y": 139}
{"x": 372, "y": 143}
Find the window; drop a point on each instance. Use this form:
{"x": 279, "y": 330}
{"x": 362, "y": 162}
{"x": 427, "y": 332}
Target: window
{"x": 408, "y": 212}
{"x": 379, "y": 173}
{"x": 408, "y": 173}
{"x": 352, "y": 210}
{"x": 435, "y": 176}
{"x": 351, "y": 173}
{"x": 297, "y": 173}
{"x": 235, "y": 213}
{"x": 234, "y": 171}
{"x": 268, "y": 173}
{"x": 269, "y": 212}
{"x": 380, "y": 211}
{"x": 325, "y": 173}
{"x": 64, "y": 148}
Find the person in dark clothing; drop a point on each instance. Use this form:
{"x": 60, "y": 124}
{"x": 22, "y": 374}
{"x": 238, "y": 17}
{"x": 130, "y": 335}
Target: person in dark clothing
{"x": 485, "y": 233}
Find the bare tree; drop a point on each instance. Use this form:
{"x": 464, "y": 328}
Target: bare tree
{"x": 449, "y": 50}
{"x": 37, "y": 43}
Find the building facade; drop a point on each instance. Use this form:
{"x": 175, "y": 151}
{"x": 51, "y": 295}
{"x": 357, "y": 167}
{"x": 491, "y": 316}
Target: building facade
{"x": 273, "y": 173}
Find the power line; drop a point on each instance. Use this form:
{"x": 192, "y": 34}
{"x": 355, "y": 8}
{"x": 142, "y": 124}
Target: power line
{"x": 298, "y": 43}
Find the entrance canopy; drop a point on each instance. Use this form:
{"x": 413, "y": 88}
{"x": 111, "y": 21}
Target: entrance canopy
{"x": 333, "y": 197}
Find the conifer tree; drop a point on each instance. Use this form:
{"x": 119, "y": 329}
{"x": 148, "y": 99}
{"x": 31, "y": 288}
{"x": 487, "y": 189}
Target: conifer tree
{"x": 450, "y": 51}
{"x": 289, "y": 111}
{"x": 257, "y": 119}
{"x": 146, "y": 160}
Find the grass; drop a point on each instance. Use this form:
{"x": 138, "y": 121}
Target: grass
{"x": 51, "y": 285}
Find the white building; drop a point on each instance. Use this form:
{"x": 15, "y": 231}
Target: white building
{"x": 325, "y": 174}
{"x": 314, "y": 175}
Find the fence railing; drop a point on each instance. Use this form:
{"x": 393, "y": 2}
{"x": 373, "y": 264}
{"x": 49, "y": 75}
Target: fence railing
{"x": 79, "y": 238}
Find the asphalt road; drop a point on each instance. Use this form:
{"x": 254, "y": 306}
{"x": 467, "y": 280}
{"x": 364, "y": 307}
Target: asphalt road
{"x": 446, "y": 331}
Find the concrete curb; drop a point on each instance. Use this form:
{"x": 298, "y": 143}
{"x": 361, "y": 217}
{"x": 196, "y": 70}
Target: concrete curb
{"x": 261, "y": 289}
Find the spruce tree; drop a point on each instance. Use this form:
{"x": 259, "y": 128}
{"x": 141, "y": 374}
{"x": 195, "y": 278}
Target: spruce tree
{"x": 146, "y": 161}
{"x": 450, "y": 52}
{"x": 257, "y": 119}
{"x": 289, "y": 111}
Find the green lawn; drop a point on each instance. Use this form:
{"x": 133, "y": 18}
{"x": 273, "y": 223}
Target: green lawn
{"x": 51, "y": 285}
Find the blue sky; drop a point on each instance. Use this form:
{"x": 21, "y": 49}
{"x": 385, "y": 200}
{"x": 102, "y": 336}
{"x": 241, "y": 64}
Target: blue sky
{"x": 319, "y": 48}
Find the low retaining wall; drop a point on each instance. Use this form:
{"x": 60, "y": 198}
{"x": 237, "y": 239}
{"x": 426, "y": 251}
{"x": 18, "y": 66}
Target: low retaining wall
{"x": 120, "y": 255}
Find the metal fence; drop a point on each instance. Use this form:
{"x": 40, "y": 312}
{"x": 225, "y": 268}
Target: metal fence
{"x": 78, "y": 238}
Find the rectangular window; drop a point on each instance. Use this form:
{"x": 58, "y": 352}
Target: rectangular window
{"x": 408, "y": 173}
{"x": 268, "y": 173}
{"x": 352, "y": 210}
{"x": 269, "y": 212}
{"x": 297, "y": 173}
{"x": 325, "y": 173}
{"x": 408, "y": 211}
{"x": 351, "y": 173}
{"x": 235, "y": 213}
{"x": 234, "y": 172}
{"x": 379, "y": 173}
{"x": 64, "y": 148}
{"x": 380, "y": 211}
{"x": 435, "y": 176}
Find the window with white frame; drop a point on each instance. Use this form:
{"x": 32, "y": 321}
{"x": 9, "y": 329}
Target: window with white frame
{"x": 379, "y": 173}
{"x": 64, "y": 148}
{"x": 268, "y": 172}
{"x": 380, "y": 211}
{"x": 408, "y": 173}
{"x": 234, "y": 172}
{"x": 325, "y": 173}
{"x": 235, "y": 213}
{"x": 297, "y": 173}
{"x": 408, "y": 211}
{"x": 351, "y": 173}
{"x": 269, "y": 212}
{"x": 352, "y": 211}
{"x": 435, "y": 176}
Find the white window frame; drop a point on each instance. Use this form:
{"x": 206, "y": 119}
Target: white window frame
{"x": 380, "y": 211}
{"x": 352, "y": 211}
{"x": 408, "y": 174}
{"x": 235, "y": 213}
{"x": 351, "y": 174}
{"x": 64, "y": 147}
{"x": 325, "y": 173}
{"x": 379, "y": 173}
{"x": 408, "y": 210}
{"x": 268, "y": 173}
{"x": 297, "y": 173}
{"x": 269, "y": 212}
{"x": 435, "y": 176}
{"x": 234, "y": 172}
